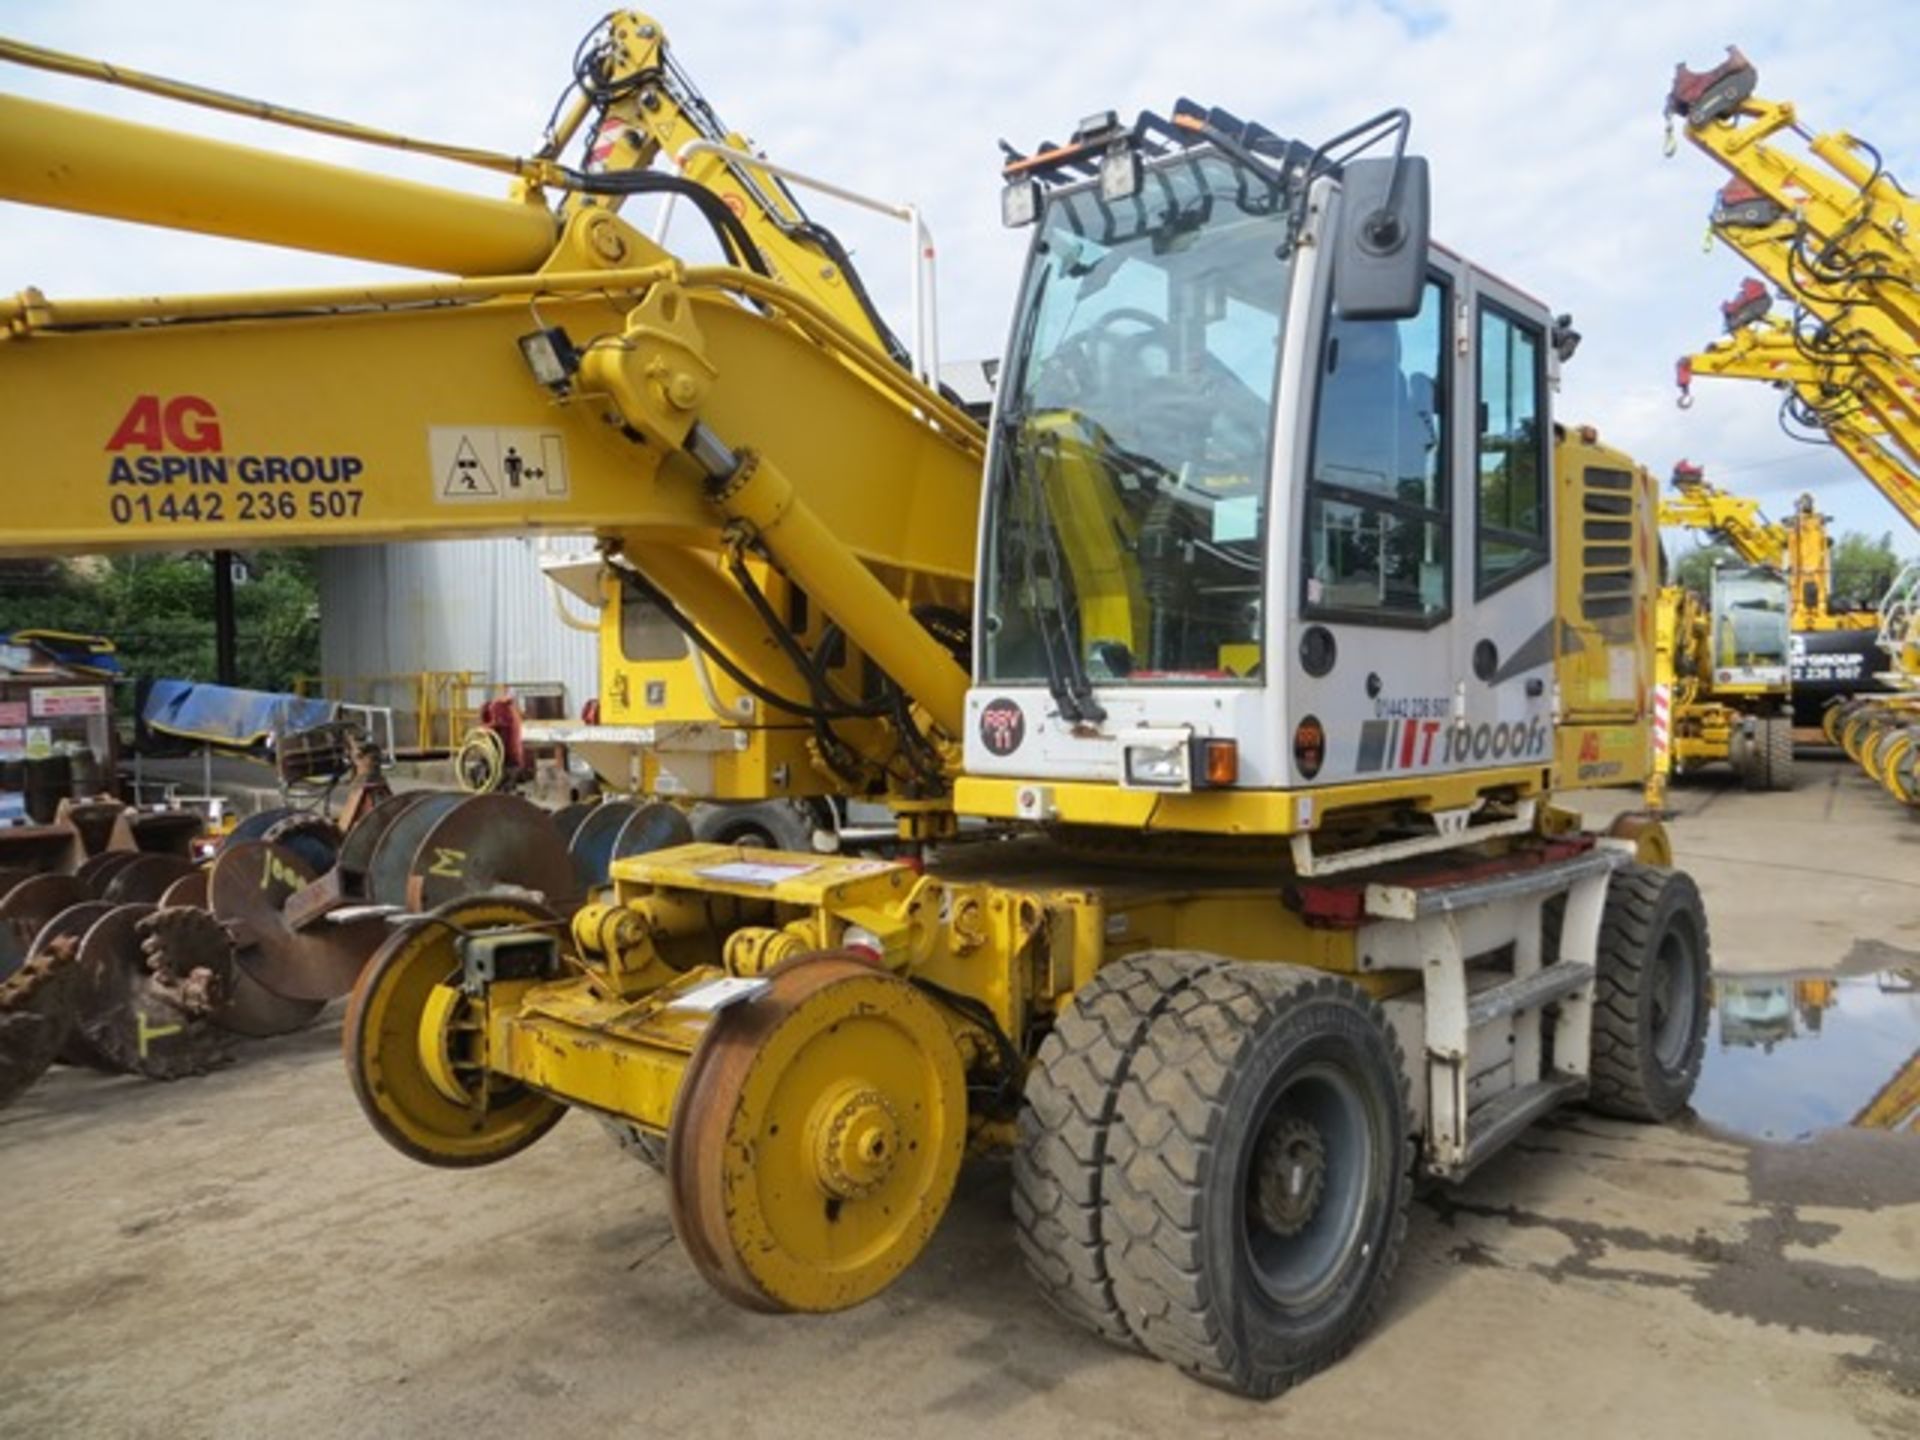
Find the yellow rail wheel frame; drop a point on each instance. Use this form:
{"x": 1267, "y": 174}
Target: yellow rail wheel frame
{"x": 1903, "y": 769}
{"x": 817, "y": 1136}
{"x": 415, "y": 1045}
{"x": 1651, "y": 843}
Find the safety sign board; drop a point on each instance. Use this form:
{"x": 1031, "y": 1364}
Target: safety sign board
{"x": 498, "y": 465}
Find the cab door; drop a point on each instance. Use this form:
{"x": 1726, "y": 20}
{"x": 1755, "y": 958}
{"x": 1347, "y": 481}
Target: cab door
{"x": 1507, "y": 608}
{"x": 1374, "y": 645}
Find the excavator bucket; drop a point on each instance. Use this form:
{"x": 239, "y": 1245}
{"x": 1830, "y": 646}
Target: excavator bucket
{"x": 1745, "y": 205}
{"x": 1750, "y": 302}
{"x": 1704, "y": 96}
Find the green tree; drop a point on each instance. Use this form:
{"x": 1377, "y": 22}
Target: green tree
{"x": 1863, "y": 568}
{"x": 1695, "y": 567}
{"x": 158, "y": 611}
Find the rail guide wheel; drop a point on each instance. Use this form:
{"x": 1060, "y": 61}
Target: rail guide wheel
{"x": 816, "y": 1137}
{"x": 413, "y": 1040}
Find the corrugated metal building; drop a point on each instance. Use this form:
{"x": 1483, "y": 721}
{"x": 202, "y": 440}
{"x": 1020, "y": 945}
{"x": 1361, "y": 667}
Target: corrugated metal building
{"x": 449, "y": 605}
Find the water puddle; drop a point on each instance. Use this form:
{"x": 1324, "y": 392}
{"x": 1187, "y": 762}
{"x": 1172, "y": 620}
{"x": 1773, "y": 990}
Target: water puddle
{"x": 1791, "y": 1055}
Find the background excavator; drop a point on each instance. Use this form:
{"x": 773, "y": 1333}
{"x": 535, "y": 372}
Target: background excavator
{"x": 1822, "y": 221}
{"x": 1833, "y": 650}
{"x": 1254, "y": 710}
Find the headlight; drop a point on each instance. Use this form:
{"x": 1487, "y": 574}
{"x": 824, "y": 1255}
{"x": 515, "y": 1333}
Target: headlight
{"x": 1176, "y": 760}
{"x": 1019, "y": 203}
{"x": 1159, "y": 767}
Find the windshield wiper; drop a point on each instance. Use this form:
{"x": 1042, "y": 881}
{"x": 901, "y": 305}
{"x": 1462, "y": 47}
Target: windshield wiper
{"x": 1052, "y": 617}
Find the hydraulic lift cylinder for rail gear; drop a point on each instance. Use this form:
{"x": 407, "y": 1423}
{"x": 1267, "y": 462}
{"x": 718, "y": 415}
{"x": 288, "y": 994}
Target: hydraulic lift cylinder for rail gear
{"x": 1247, "y": 902}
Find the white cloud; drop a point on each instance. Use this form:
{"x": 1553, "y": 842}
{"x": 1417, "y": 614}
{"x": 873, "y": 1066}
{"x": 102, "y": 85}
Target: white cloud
{"x": 1542, "y": 119}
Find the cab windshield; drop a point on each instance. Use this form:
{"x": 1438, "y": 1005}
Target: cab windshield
{"x": 1753, "y": 623}
{"x": 1129, "y": 499}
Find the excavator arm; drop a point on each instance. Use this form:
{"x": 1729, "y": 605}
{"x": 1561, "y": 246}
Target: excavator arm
{"x": 1696, "y": 504}
{"x": 1858, "y": 411}
{"x": 1853, "y": 223}
{"x": 1821, "y": 219}
{"x": 574, "y": 377}
{"x": 647, "y": 109}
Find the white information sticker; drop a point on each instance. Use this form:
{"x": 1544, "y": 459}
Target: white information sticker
{"x": 1621, "y": 673}
{"x": 756, "y": 872}
{"x": 718, "y": 994}
{"x": 495, "y": 465}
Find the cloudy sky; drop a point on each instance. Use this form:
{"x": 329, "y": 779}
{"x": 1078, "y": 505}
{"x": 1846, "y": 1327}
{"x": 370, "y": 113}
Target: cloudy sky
{"x": 1541, "y": 117}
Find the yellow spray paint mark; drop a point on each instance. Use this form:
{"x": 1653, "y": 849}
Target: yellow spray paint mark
{"x": 148, "y": 1032}
{"x": 278, "y": 869}
{"x": 450, "y": 863}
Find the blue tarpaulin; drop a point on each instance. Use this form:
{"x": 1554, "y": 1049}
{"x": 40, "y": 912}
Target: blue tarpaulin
{"x": 222, "y": 715}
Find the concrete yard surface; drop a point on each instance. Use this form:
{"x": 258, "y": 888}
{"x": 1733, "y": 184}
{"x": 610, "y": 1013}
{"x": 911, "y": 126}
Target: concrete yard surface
{"x": 240, "y": 1256}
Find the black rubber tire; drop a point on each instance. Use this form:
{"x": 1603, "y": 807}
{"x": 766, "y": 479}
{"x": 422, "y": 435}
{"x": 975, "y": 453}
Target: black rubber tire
{"x": 1778, "y": 736}
{"x": 649, "y": 1149}
{"x": 766, "y": 824}
{"x": 1066, "y": 1109}
{"x": 1220, "y": 1064}
{"x": 1750, "y": 756}
{"x": 1646, "y": 1057}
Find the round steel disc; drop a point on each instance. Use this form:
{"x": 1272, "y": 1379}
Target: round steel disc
{"x": 29, "y": 1044}
{"x": 568, "y": 817}
{"x": 247, "y": 889}
{"x": 99, "y": 869}
{"x": 256, "y": 825}
{"x": 487, "y": 842}
{"x": 594, "y": 837}
{"x": 256, "y": 1012}
{"x": 146, "y": 879}
{"x": 187, "y": 890}
{"x": 29, "y": 905}
{"x": 177, "y": 940}
{"x": 654, "y": 826}
{"x": 128, "y": 1019}
{"x": 314, "y": 838}
{"x": 392, "y": 864}
{"x": 72, "y": 924}
{"x": 356, "y": 851}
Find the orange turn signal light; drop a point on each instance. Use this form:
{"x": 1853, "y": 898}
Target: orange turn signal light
{"x": 1222, "y": 762}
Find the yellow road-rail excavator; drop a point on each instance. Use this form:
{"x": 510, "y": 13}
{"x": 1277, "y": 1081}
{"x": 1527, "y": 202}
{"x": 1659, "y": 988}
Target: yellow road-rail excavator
{"x": 1224, "y": 696}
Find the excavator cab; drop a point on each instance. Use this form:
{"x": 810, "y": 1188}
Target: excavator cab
{"x": 1261, "y": 515}
{"x": 1751, "y": 630}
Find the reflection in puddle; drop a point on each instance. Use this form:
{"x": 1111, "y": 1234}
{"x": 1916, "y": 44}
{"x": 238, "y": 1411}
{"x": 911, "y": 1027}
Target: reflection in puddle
{"x": 1791, "y": 1055}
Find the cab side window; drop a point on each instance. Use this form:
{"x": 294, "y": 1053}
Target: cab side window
{"x": 1511, "y": 538}
{"x": 1377, "y": 523}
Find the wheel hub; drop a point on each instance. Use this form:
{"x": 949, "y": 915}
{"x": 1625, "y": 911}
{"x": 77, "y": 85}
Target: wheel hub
{"x": 856, "y": 1139}
{"x": 816, "y": 1137}
{"x": 1290, "y": 1176}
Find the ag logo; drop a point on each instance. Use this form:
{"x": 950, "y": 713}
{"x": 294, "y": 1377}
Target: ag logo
{"x": 1309, "y": 747}
{"x": 1002, "y": 727}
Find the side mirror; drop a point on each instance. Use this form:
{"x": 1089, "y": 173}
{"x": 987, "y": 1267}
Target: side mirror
{"x": 1380, "y": 261}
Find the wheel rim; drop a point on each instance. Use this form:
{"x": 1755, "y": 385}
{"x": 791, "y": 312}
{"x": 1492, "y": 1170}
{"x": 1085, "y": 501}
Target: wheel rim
{"x": 816, "y": 1138}
{"x": 1675, "y": 996}
{"x": 1310, "y": 1176}
{"x": 392, "y": 1076}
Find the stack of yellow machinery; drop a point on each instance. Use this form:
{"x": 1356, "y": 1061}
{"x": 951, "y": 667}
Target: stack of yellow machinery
{"x": 1821, "y": 219}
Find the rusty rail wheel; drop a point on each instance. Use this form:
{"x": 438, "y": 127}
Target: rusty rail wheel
{"x": 415, "y": 1047}
{"x": 816, "y": 1137}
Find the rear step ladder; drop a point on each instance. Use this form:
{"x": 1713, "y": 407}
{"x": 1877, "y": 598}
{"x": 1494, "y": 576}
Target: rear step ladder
{"x": 1476, "y": 1101}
